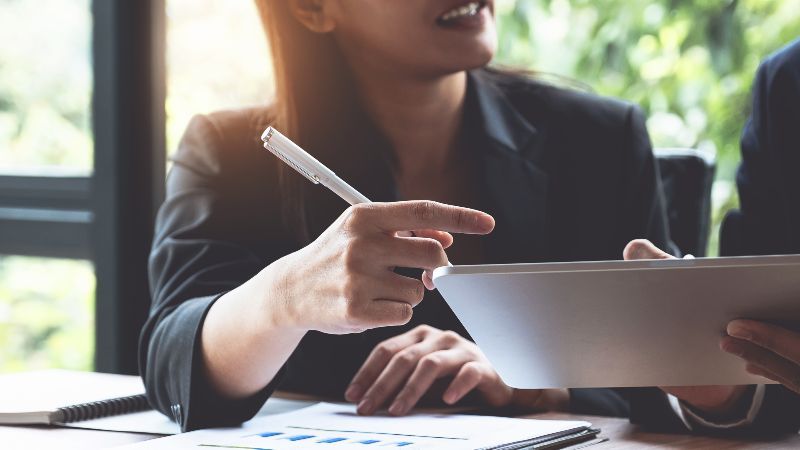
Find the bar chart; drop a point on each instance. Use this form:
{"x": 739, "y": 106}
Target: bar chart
{"x": 339, "y": 427}
{"x": 339, "y": 439}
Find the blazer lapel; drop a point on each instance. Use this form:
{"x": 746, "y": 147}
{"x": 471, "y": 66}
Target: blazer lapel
{"x": 516, "y": 186}
{"x": 509, "y": 149}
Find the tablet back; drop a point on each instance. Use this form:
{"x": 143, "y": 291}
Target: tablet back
{"x": 618, "y": 324}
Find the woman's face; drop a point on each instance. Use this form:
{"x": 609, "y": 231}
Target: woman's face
{"x": 417, "y": 37}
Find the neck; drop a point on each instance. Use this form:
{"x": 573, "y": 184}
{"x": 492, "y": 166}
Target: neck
{"x": 420, "y": 117}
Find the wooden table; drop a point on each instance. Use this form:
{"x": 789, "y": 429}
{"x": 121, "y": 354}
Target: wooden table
{"x": 621, "y": 434}
{"x": 57, "y": 438}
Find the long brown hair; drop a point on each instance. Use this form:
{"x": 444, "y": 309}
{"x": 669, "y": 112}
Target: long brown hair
{"x": 316, "y": 103}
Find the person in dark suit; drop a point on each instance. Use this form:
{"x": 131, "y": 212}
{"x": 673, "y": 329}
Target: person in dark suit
{"x": 768, "y": 223}
{"x": 263, "y": 281}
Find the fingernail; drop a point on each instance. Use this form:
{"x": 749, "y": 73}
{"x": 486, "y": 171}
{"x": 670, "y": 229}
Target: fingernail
{"x": 427, "y": 280}
{"x": 398, "y": 408}
{"x": 353, "y": 393}
{"x": 364, "y": 407}
{"x": 449, "y": 397}
{"x": 487, "y": 222}
{"x": 738, "y": 331}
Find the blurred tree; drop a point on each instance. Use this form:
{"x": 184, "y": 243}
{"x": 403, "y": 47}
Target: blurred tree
{"x": 46, "y": 313}
{"x": 688, "y": 63}
{"x": 45, "y": 99}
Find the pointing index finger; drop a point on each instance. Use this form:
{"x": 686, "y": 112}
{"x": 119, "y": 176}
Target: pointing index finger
{"x": 424, "y": 214}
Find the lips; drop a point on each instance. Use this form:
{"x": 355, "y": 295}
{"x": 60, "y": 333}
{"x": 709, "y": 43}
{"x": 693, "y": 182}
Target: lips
{"x": 462, "y": 11}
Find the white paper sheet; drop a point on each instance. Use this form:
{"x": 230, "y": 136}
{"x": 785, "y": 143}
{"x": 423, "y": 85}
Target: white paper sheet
{"x": 324, "y": 425}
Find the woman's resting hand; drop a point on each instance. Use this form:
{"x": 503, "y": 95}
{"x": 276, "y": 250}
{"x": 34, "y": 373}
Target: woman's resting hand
{"x": 400, "y": 370}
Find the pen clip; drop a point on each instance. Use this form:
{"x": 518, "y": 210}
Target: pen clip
{"x": 294, "y": 165}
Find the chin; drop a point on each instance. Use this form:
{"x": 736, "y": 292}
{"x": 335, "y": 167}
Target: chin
{"x": 472, "y": 48}
{"x": 483, "y": 56}
{"x": 477, "y": 56}
{"x": 454, "y": 57}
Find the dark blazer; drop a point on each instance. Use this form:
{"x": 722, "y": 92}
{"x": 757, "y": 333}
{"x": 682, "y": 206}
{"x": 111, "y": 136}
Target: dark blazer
{"x": 768, "y": 222}
{"x": 768, "y": 181}
{"x": 769, "y": 191}
{"x": 567, "y": 175}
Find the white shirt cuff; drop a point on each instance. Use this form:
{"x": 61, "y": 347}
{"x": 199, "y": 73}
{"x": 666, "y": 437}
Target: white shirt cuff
{"x": 689, "y": 417}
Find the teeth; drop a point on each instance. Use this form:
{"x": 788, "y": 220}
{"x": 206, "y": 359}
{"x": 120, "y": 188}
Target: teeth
{"x": 468, "y": 10}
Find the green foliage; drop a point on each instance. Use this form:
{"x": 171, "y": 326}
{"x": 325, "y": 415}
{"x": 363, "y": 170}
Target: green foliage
{"x": 46, "y": 314}
{"x": 689, "y": 64}
{"x": 45, "y": 86}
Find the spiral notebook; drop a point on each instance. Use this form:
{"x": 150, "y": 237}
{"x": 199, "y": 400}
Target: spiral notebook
{"x": 63, "y": 397}
{"x": 95, "y": 401}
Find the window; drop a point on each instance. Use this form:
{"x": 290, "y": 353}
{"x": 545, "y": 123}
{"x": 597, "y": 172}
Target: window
{"x": 81, "y": 170}
{"x": 45, "y": 102}
{"x": 46, "y": 303}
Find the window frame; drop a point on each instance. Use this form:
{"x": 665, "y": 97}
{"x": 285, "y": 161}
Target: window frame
{"x": 45, "y": 216}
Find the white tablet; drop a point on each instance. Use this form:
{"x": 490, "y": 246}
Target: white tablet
{"x": 619, "y": 323}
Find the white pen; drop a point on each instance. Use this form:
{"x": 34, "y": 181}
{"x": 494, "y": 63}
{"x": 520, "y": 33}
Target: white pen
{"x": 308, "y": 166}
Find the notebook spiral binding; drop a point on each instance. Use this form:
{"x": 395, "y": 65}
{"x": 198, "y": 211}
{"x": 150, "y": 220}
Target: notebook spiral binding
{"x": 103, "y": 408}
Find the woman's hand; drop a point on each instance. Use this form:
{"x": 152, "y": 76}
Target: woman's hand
{"x": 401, "y": 369}
{"x": 769, "y": 350}
{"x": 344, "y": 281}
{"x": 710, "y": 399}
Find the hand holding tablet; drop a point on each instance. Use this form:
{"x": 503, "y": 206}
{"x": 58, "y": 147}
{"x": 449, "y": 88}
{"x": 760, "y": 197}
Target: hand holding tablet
{"x": 711, "y": 399}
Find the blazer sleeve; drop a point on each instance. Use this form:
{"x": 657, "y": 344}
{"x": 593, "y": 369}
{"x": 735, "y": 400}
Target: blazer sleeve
{"x": 205, "y": 245}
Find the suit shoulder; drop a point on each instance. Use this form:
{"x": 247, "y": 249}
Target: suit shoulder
{"x": 217, "y": 141}
{"x": 242, "y": 127}
{"x": 785, "y": 59}
{"x": 779, "y": 74}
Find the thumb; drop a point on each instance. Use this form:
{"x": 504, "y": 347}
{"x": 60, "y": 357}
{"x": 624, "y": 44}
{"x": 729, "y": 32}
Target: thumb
{"x": 644, "y": 249}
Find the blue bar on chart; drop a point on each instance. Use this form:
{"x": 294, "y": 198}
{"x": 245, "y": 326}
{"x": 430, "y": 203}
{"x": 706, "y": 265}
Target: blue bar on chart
{"x": 299, "y": 437}
{"x": 270, "y": 434}
{"x": 282, "y": 435}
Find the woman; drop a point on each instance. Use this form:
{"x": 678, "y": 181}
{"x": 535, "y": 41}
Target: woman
{"x": 260, "y": 281}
